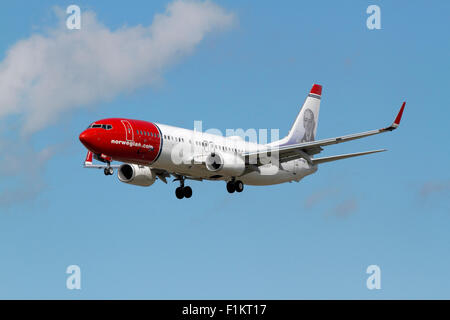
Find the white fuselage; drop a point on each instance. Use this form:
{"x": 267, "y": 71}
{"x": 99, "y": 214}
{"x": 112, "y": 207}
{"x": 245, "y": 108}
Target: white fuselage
{"x": 181, "y": 145}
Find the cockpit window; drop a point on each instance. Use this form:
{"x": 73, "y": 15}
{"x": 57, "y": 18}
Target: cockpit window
{"x": 103, "y": 126}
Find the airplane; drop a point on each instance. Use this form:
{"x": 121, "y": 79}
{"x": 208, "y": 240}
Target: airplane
{"x": 151, "y": 151}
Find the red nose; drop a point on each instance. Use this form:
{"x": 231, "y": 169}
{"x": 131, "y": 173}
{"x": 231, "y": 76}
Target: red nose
{"x": 87, "y": 137}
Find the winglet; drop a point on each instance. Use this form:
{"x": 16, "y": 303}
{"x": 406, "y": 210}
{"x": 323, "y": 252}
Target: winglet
{"x": 396, "y": 122}
{"x": 399, "y": 116}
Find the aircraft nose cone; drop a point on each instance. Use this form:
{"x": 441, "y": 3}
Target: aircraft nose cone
{"x": 88, "y": 138}
{"x": 84, "y": 137}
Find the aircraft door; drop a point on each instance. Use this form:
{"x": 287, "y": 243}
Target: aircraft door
{"x": 129, "y": 133}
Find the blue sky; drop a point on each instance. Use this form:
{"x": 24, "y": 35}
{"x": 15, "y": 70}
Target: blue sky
{"x": 313, "y": 239}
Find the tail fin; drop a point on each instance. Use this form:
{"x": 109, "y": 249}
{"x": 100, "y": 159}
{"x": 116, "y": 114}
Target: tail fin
{"x": 305, "y": 126}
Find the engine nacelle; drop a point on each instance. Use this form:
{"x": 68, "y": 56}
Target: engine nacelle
{"x": 136, "y": 174}
{"x": 226, "y": 164}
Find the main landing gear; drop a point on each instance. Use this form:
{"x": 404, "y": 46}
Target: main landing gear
{"x": 235, "y": 185}
{"x": 182, "y": 191}
{"x": 109, "y": 171}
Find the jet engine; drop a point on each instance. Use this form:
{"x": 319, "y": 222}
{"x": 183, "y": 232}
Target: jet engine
{"x": 136, "y": 175}
{"x": 226, "y": 164}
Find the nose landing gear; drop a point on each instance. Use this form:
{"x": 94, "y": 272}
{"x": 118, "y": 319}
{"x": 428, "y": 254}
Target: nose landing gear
{"x": 108, "y": 171}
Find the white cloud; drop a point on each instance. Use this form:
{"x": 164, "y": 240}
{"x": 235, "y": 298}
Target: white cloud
{"x": 430, "y": 188}
{"x": 21, "y": 168}
{"x": 345, "y": 208}
{"x": 333, "y": 196}
{"x": 47, "y": 74}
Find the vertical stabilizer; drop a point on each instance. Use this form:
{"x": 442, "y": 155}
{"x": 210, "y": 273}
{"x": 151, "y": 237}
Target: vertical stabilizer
{"x": 305, "y": 126}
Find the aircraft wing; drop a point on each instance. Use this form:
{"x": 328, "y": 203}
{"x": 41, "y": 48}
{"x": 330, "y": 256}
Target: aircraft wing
{"x": 307, "y": 149}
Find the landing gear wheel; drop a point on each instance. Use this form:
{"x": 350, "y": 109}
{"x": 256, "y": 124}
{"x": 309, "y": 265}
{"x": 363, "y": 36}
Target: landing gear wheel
{"x": 179, "y": 193}
{"x": 111, "y": 171}
{"x": 187, "y": 191}
{"x": 239, "y": 186}
{"x": 106, "y": 171}
{"x": 231, "y": 187}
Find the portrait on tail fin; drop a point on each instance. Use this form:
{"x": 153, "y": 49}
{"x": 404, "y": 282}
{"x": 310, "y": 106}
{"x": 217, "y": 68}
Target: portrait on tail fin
{"x": 309, "y": 124}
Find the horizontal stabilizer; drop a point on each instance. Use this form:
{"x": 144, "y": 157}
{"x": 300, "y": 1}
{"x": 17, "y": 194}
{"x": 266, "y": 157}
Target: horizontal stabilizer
{"x": 344, "y": 156}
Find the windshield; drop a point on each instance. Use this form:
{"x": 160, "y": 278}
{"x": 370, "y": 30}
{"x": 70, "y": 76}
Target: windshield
{"x": 102, "y": 126}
